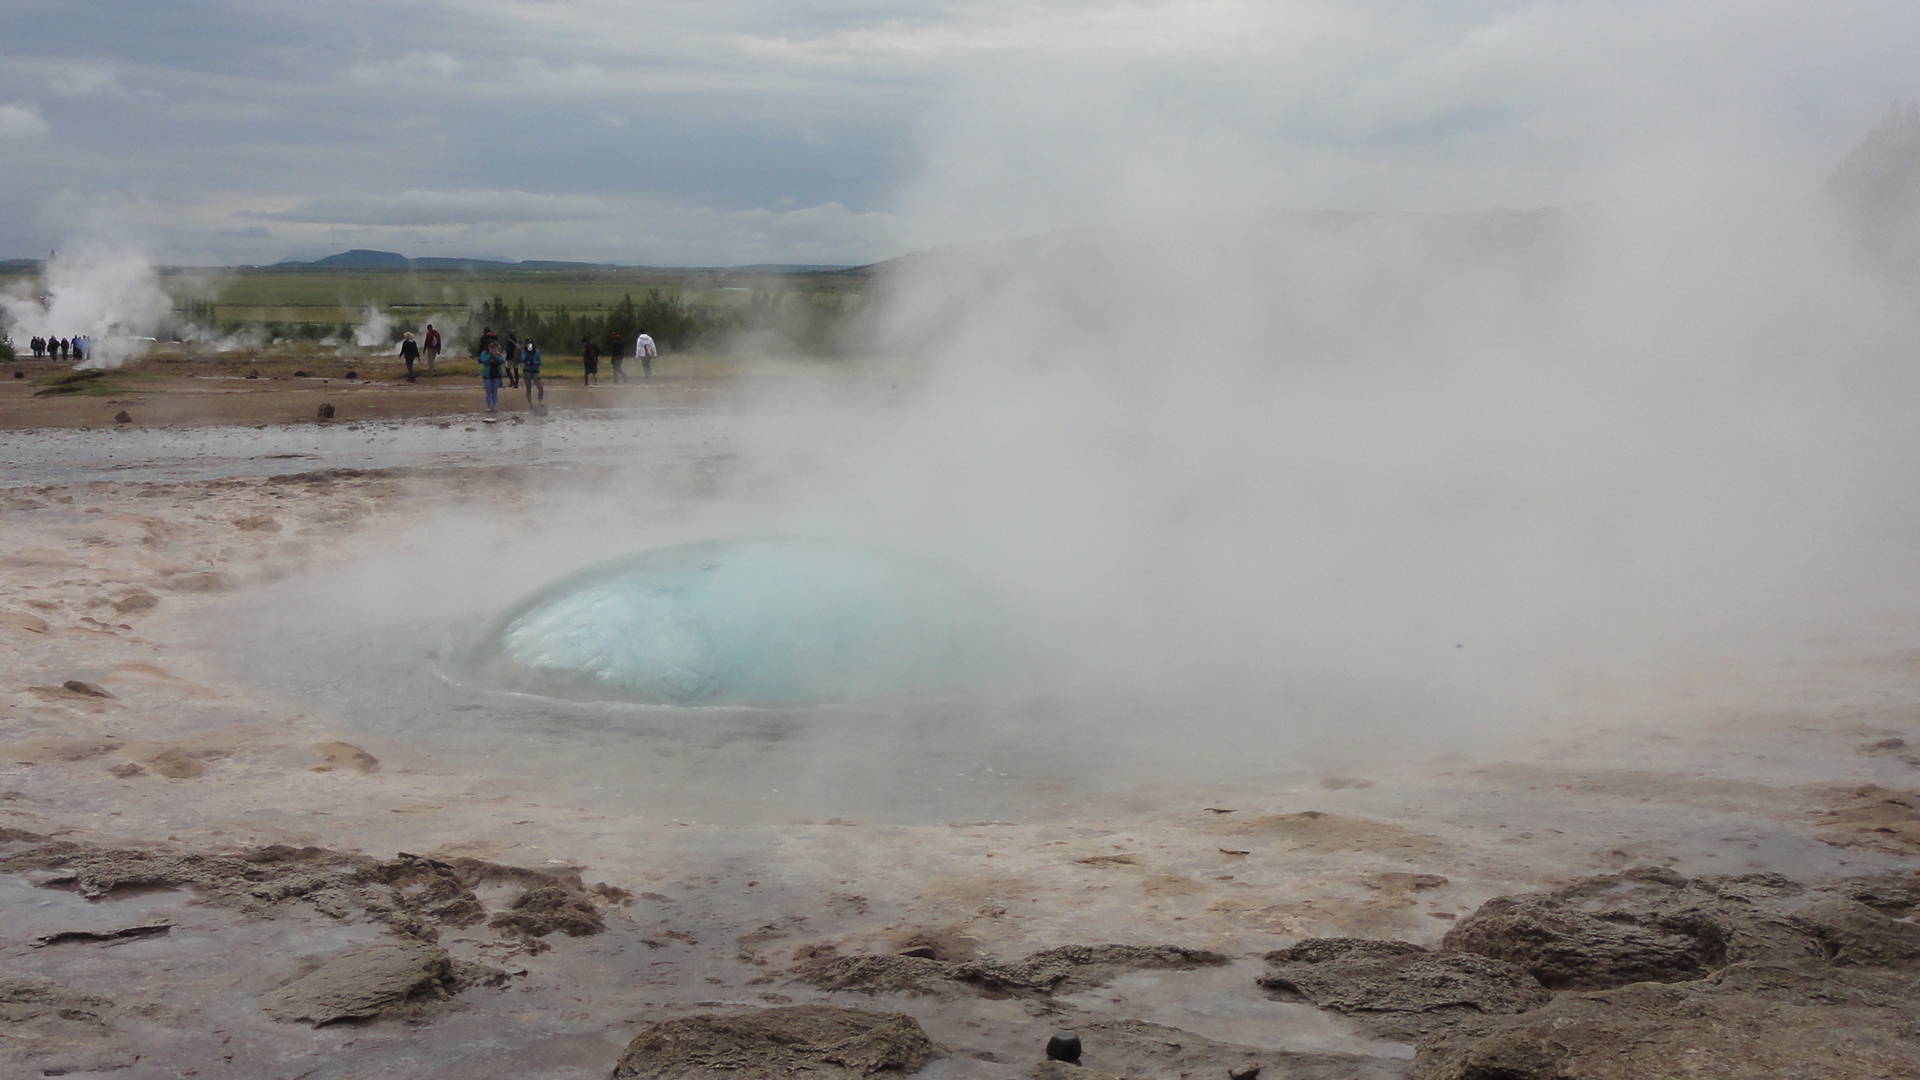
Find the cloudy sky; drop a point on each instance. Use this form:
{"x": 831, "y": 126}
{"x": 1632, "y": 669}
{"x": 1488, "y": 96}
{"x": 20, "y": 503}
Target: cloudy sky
{"x": 672, "y": 132}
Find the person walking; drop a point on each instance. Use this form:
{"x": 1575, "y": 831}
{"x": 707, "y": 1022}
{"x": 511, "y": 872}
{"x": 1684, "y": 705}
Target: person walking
{"x": 409, "y": 351}
{"x": 589, "y": 361}
{"x": 39, "y": 346}
{"x": 492, "y": 369}
{"x": 513, "y": 360}
{"x": 615, "y": 357}
{"x": 530, "y": 365}
{"x": 432, "y": 344}
{"x": 643, "y": 348}
{"x": 63, "y": 348}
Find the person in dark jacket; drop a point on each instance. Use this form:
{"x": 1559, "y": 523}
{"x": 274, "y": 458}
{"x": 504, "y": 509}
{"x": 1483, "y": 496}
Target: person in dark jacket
{"x": 487, "y": 337}
{"x": 589, "y": 361}
{"x": 616, "y": 356}
{"x": 530, "y": 368}
{"x": 493, "y": 368}
{"x": 409, "y": 351}
{"x": 512, "y": 353}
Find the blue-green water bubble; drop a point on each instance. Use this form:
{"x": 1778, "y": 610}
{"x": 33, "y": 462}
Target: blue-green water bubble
{"x": 744, "y": 621}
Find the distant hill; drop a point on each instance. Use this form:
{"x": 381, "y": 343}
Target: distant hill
{"x": 366, "y": 259}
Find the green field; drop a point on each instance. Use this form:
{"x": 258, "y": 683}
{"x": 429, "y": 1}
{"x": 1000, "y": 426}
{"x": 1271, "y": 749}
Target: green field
{"x": 805, "y": 312}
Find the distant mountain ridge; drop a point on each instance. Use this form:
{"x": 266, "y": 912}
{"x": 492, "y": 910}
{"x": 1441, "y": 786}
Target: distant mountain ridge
{"x": 368, "y": 259}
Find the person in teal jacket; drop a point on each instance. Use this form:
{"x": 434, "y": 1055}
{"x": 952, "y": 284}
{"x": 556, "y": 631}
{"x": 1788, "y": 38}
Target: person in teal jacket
{"x": 493, "y": 369}
{"x": 530, "y": 370}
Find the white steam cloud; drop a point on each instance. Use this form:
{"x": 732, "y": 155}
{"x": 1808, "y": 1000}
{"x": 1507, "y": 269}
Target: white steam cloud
{"x": 1350, "y": 478}
{"x": 109, "y": 294}
{"x": 375, "y": 329}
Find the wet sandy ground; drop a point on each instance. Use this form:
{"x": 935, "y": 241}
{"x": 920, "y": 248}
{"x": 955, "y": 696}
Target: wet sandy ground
{"x": 274, "y": 636}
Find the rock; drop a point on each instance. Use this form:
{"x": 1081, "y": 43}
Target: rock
{"x": 364, "y": 983}
{"x": 1648, "y": 926}
{"x": 541, "y": 911}
{"x": 340, "y": 755}
{"x": 175, "y": 764}
{"x": 300, "y": 375}
{"x": 257, "y": 523}
{"x": 123, "y": 417}
{"x": 1857, "y": 934}
{"x": 1246, "y": 1070}
{"x": 1752, "y": 1021}
{"x": 78, "y": 749}
{"x": 1394, "y": 881}
{"x": 804, "y": 1042}
{"x": 24, "y": 623}
{"x": 86, "y": 688}
{"x": 416, "y": 896}
{"x": 1398, "y": 990}
{"x": 127, "y": 771}
{"x": 198, "y": 581}
{"x": 882, "y": 974}
{"x": 1064, "y": 1048}
{"x": 135, "y": 602}
{"x": 351, "y": 375}
{"x": 325, "y": 411}
{"x": 1072, "y": 968}
{"x": 47, "y": 1029}
{"x": 253, "y": 373}
{"x": 1872, "y": 817}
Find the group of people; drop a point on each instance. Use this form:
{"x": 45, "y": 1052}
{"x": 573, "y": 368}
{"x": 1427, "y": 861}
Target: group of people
{"x": 412, "y": 352}
{"x": 507, "y": 361}
{"x": 51, "y": 348}
{"x": 643, "y": 349}
{"x": 514, "y": 363}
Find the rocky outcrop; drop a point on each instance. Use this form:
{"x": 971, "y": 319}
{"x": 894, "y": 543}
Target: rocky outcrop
{"x": 1398, "y": 990}
{"x": 1650, "y": 926}
{"x": 803, "y": 1042}
{"x": 372, "y": 981}
{"x": 1752, "y": 1021}
{"x": 1064, "y": 970}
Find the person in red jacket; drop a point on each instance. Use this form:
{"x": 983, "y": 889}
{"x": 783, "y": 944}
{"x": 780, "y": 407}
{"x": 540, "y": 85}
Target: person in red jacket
{"x": 431, "y": 347}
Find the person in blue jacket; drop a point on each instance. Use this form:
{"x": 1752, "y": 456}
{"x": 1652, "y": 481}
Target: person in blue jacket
{"x": 530, "y": 370}
{"x": 493, "y": 369}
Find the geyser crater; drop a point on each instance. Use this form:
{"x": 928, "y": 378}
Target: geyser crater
{"x": 743, "y": 621}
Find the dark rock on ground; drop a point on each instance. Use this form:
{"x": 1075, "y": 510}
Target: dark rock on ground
{"x": 1397, "y": 990}
{"x": 1647, "y": 926}
{"x": 87, "y": 688}
{"x": 376, "y": 980}
{"x": 802, "y": 1042}
{"x": 1800, "y": 1019}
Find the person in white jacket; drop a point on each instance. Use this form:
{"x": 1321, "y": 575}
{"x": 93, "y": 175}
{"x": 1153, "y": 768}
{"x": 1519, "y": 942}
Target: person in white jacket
{"x": 643, "y": 348}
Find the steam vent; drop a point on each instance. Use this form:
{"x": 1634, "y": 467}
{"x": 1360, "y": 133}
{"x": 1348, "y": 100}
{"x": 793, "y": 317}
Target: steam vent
{"x": 746, "y": 621}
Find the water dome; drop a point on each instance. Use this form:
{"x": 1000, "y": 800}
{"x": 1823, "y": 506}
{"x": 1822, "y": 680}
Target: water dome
{"x": 743, "y": 621}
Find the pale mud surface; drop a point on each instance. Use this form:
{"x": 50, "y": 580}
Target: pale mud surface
{"x": 275, "y": 632}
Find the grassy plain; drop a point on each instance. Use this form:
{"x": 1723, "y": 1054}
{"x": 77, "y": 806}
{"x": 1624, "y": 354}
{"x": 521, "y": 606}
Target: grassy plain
{"x": 319, "y": 295}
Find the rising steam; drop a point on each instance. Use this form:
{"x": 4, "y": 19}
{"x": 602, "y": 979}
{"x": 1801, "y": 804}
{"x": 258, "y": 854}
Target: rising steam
{"x": 110, "y": 294}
